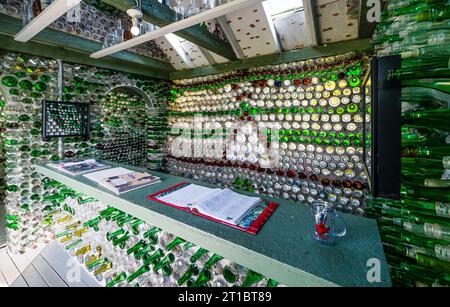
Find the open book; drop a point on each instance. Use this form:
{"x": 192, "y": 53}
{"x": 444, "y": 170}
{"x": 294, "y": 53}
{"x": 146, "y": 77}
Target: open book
{"x": 121, "y": 180}
{"x": 222, "y": 205}
{"x": 79, "y": 167}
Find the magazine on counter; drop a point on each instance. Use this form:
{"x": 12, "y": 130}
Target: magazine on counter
{"x": 121, "y": 180}
{"x": 224, "y": 205}
{"x": 79, "y": 167}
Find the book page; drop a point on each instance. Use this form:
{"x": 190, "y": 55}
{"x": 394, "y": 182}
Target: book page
{"x": 227, "y": 206}
{"x": 188, "y": 196}
{"x": 129, "y": 182}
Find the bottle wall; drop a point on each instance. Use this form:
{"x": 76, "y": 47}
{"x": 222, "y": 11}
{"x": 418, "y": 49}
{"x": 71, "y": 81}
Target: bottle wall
{"x": 293, "y": 131}
{"x": 25, "y": 82}
{"x": 416, "y": 229}
{"x": 118, "y": 249}
{"x": 2, "y": 175}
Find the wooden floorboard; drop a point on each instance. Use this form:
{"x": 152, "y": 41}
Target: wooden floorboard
{"x": 85, "y": 276}
{"x": 8, "y": 268}
{"x": 50, "y": 276}
{"x": 19, "y": 282}
{"x": 20, "y": 260}
{"x": 3, "y": 282}
{"x": 33, "y": 278}
{"x": 48, "y": 265}
{"x": 59, "y": 263}
{"x": 27, "y": 270}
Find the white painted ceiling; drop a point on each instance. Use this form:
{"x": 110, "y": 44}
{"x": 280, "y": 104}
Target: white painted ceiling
{"x": 273, "y": 26}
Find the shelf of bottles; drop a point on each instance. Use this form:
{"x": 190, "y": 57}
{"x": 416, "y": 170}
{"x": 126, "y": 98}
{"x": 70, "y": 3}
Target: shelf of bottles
{"x": 416, "y": 229}
{"x": 309, "y": 114}
{"x": 24, "y": 82}
{"x": 120, "y": 250}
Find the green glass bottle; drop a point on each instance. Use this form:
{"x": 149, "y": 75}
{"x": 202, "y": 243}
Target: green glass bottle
{"x": 438, "y": 194}
{"x": 154, "y": 257}
{"x": 439, "y": 84}
{"x": 110, "y": 236}
{"x": 144, "y": 269}
{"x": 252, "y": 278}
{"x": 136, "y": 247}
{"x": 437, "y": 119}
{"x": 203, "y": 278}
{"x": 177, "y": 241}
{"x": 26, "y": 85}
{"x": 433, "y": 263}
{"x": 167, "y": 260}
{"x": 9, "y": 81}
{"x": 191, "y": 271}
{"x": 355, "y": 82}
{"x": 122, "y": 240}
{"x": 429, "y": 153}
{"x": 212, "y": 261}
{"x": 40, "y": 86}
{"x": 395, "y": 245}
{"x": 198, "y": 255}
{"x": 272, "y": 283}
{"x": 434, "y": 231}
{"x": 435, "y": 14}
{"x": 228, "y": 275}
{"x": 144, "y": 251}
{"x": 116, "y": 280}
{"x": 74, "y": 244}
{"x": 418, "y": 206}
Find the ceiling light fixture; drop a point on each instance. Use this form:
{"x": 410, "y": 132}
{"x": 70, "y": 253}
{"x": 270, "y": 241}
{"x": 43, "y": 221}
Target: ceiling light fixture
{"x": 135, "y": 14}
{"x": 174, "y": 27}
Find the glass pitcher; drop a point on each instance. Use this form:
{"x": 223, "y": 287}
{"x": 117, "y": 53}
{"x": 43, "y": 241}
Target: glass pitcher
{"x": 325, "y": 217}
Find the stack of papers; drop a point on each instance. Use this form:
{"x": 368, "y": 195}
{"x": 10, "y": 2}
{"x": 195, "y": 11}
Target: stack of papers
{"x": 79, "y": 167}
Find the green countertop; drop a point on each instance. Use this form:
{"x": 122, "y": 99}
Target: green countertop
{"x": 283, "y": 250}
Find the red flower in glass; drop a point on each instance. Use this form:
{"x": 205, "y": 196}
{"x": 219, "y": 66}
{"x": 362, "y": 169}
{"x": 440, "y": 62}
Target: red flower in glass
{"x": 322, "y": 230}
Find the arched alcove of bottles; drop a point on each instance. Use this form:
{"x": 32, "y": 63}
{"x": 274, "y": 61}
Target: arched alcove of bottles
{"x": 125, "y": 112}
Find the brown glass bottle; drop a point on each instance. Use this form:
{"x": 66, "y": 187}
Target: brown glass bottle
{"x": 347, "y": 184}
{"x": 337, "y": 183}
{"x": 37, "y": 7}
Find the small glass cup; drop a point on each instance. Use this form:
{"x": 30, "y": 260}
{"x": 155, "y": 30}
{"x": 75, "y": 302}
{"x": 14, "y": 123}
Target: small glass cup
{"x": 325, "y": 217}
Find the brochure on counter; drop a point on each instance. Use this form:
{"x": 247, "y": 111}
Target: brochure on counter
{"x": 74, "y": 168}
{"x": 121, "y": 180}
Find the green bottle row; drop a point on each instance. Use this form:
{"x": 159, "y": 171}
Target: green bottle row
{"x": 416, "y": 229}
{"x": 159, "y": 254}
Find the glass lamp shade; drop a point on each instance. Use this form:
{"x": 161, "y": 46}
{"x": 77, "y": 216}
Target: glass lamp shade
{"x": 135, "y": 29}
